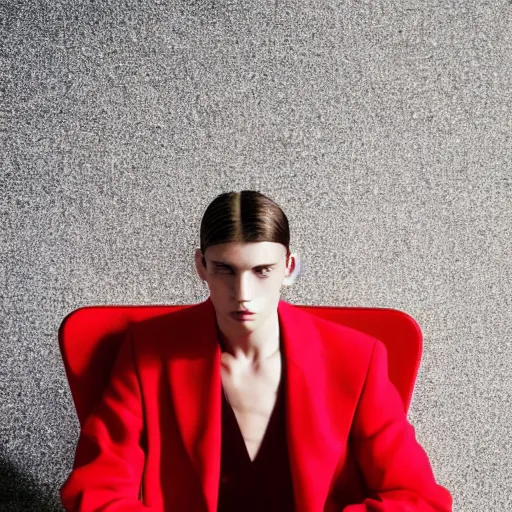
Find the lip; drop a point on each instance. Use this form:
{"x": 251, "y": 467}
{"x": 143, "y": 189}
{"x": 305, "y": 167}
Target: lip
{"x": 242, "y": 315}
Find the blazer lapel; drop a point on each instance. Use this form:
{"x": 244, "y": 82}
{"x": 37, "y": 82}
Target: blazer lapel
{"x": 314, "y": 448}
{"x": 195, "y": 386}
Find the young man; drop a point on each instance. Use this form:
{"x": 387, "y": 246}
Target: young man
{"x": 243, "y": 402}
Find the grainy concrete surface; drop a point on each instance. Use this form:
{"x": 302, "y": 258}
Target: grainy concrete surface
{"x": 382, "y": 128}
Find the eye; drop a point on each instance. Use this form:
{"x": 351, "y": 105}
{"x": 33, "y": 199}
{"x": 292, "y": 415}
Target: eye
{"x": 223, "y": 270}
{"x": 264, "y": 271}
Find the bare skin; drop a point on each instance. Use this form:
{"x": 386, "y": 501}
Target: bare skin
{"x": 251, "y": 366}
{"x": 251, "y": 389}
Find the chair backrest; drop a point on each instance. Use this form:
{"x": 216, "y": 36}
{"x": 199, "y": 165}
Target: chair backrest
{"x": 90, "y": 337}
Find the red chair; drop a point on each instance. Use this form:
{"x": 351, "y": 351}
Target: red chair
{"x": 89, "y": 339}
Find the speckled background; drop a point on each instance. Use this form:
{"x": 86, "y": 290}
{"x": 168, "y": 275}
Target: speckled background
{"x": 382, "y": 128}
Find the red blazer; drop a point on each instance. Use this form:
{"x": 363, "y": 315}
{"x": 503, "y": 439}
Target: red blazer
{"x": 156, "y": 433}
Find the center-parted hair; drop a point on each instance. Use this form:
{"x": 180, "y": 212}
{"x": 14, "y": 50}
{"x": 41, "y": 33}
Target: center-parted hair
{"x": 246, "y": 216}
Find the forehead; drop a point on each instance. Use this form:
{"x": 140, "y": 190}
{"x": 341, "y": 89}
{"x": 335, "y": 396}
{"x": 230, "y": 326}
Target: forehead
{"x": 248, "y": 254}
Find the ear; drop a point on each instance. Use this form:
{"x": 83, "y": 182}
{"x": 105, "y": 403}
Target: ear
{"x": 198, "y": 258}
{"x": 292, "y": 269}
{"x": 290, "y": 265}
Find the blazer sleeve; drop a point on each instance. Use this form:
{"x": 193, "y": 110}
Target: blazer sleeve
{"x": 396, "y": 469}
{"x": 109, "y": 458}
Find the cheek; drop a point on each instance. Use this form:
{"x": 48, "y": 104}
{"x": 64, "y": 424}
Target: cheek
{"x": 265, "y": 286}
{"x": 271, "y": 287}
{"x": 218, "y": 286}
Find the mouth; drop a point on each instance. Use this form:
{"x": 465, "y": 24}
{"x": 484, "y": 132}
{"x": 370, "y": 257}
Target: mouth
{"x": 242, "y": 315}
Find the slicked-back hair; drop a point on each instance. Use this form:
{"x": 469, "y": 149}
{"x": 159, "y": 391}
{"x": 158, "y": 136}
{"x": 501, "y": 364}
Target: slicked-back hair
{"x": 246, "y": 216}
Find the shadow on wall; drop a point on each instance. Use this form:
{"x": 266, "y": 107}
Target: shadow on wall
{"x": 21, "y": 493}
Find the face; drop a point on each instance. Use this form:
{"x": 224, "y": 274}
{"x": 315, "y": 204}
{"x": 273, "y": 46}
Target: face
{"x": 248, "y": 275}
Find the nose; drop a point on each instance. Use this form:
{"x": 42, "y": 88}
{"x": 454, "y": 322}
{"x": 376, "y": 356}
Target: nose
{"x": 243, "y": 287}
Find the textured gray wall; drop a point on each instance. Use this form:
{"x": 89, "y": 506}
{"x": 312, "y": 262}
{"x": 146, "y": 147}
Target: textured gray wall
{"x": 382, "y": 128}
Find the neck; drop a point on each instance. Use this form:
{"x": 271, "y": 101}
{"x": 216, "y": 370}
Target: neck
{"x": 254, "y": 346}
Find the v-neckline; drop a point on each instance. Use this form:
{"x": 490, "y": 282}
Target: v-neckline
{"x": 272, "y": 418}
{"x": 270, "y": 423}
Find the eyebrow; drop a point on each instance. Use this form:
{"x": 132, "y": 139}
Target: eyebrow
{"x": 223, "y": 264}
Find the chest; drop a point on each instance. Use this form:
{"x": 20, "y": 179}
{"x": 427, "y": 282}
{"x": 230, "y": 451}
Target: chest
{"x": 252, "y": 395}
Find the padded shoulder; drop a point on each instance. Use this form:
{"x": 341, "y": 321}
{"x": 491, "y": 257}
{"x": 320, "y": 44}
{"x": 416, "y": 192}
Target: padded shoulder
{"x": 341, "y": 339}
{"x": 180, "y": 332}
